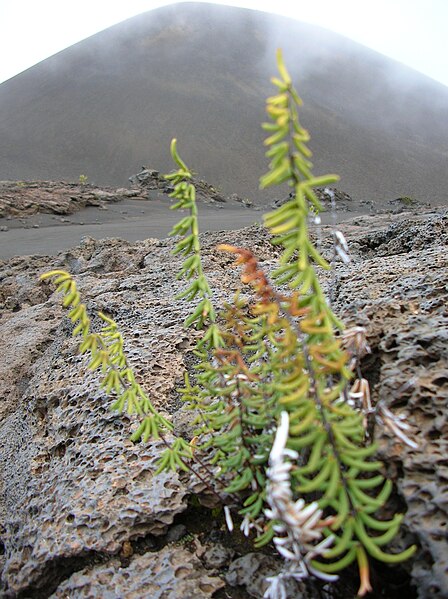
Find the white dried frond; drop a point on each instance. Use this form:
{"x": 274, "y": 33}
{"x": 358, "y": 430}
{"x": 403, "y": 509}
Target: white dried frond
{"x": 276, "y": 588}
{"x": 395, "y": 424}
{"x": 359, "y": 398}
{"x": 341, "y": 247}
{"x": 298, "y": 526}
{"x": 279, "y": 445}
{"x": 248, "y": 524}
{"x": 228, "y": 517}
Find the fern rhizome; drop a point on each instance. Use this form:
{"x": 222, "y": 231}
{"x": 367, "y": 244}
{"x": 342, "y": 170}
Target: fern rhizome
{"x": 279, "y": 434}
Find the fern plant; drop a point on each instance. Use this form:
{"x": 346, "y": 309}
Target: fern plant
{"x": 106, "y": 354}
{"x": 284, "y": 353}
{"x": 105, "y": 351}
{"x": 274, "y": 388}
{"x": 190, "y": 248}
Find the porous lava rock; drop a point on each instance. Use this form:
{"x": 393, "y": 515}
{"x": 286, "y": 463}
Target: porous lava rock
{"x": 80, "y": 506}
{"x": 160, "y": 575}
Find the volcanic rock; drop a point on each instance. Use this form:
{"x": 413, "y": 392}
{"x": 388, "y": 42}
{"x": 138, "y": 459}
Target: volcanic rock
{"x": 80, "y": 507}
{"x": 20, "y": 198}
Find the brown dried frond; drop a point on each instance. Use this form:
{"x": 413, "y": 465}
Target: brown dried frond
{"x": 252, "y": 273}
{"x": 354, "y": 340}
{"x": 234, "y": 358}
{"x": 329, "y": 356}
{"x": 294, "y": 308}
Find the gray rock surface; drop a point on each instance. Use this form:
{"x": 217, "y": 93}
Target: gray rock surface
{"x": 79, "y": 503}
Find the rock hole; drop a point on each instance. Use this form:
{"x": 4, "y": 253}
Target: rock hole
{"x": 440, "y": 381}
{"x": 390, "y": 343}
{"x": 60, "y": 450}
{"x": 424, "y": 343}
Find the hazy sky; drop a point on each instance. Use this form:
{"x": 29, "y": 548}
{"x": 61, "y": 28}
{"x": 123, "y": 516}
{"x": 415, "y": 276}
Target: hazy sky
{"x": 414, "y": 32}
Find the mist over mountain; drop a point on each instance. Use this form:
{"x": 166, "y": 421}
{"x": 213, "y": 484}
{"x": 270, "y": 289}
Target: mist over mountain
{"x": 199, "y": 72}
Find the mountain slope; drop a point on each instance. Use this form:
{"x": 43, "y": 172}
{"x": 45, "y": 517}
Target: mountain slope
{"x": 200, "y": 72}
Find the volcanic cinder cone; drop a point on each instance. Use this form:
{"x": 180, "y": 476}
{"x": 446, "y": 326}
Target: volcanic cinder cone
{"x": 111, "y": 103}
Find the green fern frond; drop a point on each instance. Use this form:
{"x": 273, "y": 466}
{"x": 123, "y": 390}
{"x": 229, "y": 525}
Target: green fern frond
{"x": 107, "y": 355}
{"x": 189, "y": 247}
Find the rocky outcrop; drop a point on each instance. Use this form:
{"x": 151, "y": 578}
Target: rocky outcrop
{"x": 336, "y": 201}
{"x": 24, "y": 198}
{"x": 20, "y": 199}
{"x": 151, "y": 180}
{"x": 330, "y": 198}
{"x": 82, "y": 514}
